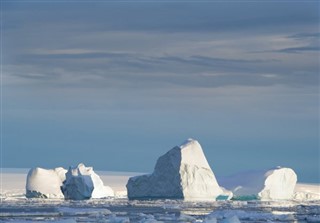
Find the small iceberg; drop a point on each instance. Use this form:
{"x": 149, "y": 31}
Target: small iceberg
{"x": 76, "y": 184}
{"x": 83, "y": 183}
{"x": 273, "y": 184}
{"x": 45, "y": 183}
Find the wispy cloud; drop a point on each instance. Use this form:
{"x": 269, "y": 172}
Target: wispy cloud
{"x": 296, "y": 43}
{"x": 305, "y": 36}
{"x": 204, "y": 50}
{"x": 63, "y": 56}
{"x": 299, "y": 49}
{"x": 126, "y": 69}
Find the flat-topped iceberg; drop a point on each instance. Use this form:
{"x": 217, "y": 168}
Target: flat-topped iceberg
{"x": 83, "y": 183}
{"x": 181, "y": 173}
{"x": 45, "y": 183}
{"x": 273, "y": 184}
{"x": 306, "y": 192}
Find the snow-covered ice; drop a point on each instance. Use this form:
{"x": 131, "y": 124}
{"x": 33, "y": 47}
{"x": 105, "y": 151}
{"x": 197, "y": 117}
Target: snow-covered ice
{"x": 273, "y": 184}
{"x": 183, "y": 173}
{"x": 45, "y": 183}
{"x": 78, "y": 183}
{"x": 83, "y": 183}
{"x": 279, "y": 184}
{"x": 306, "y": 192}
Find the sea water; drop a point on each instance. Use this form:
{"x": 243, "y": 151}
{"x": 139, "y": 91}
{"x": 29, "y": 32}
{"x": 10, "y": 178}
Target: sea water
{"x": 20, "y": 209}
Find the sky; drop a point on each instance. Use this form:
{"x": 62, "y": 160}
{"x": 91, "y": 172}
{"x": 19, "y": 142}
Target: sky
{"x": 116, "y": 84}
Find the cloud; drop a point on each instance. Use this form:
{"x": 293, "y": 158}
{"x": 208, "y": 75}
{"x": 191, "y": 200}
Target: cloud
{"x": 35, "y": 76}
{"x": 64, "y": 56}
{"x": 123, "y": 70}
{"x": 112, "y": 44}
{"x": 300, "y": 36}
{"x": 297, "y": 43}
{"x": 299, "y": 49}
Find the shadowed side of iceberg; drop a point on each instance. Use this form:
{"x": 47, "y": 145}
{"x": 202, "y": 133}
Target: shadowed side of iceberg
{"x": 83, "y": 183}
{"x": 164, "y": 182}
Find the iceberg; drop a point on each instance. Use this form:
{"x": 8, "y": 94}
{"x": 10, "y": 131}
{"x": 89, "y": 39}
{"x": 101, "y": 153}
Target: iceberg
{"x": 306, "y": 192}
{"x": 273, "y": 184}
{"x": 181, "y": 173}
{"x": 45, "y": 183}
{"x": 83, "y": 183}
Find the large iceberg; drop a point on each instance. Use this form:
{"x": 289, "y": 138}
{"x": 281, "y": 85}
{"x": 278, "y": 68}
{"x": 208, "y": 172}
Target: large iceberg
{"x": 83, "y": 183}
{"x": 182, "y": 173}
{"x": 45, "y": 183}
{"x": 273, "y": 184}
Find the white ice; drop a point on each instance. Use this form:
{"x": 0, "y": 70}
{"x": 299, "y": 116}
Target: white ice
{"x": 273, "y": 184}
{"x": 45, "y": 183}
{"x": 95, "y": 210}
{"x": 13, "y": 183}
{"x": 306, "y": 192}
{"x": 83, "y": 183}
{"x": 183, "y": 172}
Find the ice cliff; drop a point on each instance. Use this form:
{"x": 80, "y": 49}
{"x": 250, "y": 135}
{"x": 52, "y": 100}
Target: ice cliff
{"x": 183, "y": 173}
{"x": 273, "y": 184}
